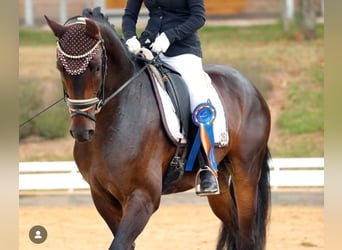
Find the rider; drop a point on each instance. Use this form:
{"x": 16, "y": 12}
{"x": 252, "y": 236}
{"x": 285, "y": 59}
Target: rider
{"x": 172, "y": 31}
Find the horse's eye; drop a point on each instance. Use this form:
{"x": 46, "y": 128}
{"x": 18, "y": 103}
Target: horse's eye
{"x": 95, "y": 67}
{"x": 98, "y": 68}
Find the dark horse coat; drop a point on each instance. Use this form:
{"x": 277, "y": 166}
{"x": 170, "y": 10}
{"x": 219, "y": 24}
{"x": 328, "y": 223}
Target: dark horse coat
{"x": 123, "y": 151}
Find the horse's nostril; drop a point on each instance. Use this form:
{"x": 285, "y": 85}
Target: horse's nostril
{"x": 71, "y": 133}
{"x": 91, "y": 133}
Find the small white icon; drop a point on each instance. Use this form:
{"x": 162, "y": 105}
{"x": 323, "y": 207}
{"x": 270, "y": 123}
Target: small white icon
{"x": 38, "y": 236}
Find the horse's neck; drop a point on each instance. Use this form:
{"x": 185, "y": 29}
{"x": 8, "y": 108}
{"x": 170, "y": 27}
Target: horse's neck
{"x": 116, "y": 52}
{"x": 119, "y": 65}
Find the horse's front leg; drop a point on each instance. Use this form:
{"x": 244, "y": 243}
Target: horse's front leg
{"x": 108, "y": 207}
{"x": 136, "y": 212}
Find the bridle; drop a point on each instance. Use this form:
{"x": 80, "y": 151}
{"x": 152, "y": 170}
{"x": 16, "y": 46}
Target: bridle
{"x": 81, "y": 106}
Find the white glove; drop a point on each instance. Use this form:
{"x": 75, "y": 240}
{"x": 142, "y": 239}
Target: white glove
{"x": 133, "y": 45}
{"x": 161, "y": 43}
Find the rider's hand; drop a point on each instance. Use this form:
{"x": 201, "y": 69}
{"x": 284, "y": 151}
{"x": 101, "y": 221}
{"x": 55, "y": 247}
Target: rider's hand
{"x": 161, "y": 43}
{"x": 133, "y": 45}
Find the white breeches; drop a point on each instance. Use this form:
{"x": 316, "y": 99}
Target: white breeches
{"x": 200, "y": 88}
{"x": 191, "y": 69}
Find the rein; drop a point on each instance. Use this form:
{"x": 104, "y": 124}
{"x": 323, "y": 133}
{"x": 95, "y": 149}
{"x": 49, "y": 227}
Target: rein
{"x": 130, "y": 80}
{"x": 80, "y": 106}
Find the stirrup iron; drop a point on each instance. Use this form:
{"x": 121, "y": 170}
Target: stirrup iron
{"x": 198, "y": 182}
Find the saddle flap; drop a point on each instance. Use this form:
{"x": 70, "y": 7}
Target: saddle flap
{"x": 179, "y": 95}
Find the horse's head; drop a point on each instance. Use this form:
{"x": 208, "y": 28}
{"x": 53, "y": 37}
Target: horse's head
{"x": 82, "y": 65}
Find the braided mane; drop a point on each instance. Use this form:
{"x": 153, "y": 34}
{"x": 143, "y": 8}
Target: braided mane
{"x": 98, "y": 16}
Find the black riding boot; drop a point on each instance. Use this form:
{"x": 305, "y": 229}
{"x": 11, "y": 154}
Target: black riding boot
{"x": 208, "y": 182}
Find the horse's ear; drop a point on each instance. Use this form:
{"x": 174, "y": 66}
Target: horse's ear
{"x": 56, "y": 28}
{"x": 92, "y": 29}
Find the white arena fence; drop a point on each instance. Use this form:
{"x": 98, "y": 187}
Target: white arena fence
{"x": 64, "y": 175}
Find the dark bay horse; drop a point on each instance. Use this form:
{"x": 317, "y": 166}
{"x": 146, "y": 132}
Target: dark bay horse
{"x": 123, "y": 152}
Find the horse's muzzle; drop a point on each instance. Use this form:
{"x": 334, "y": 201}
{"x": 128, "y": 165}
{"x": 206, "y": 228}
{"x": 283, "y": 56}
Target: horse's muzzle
{"x": 82, "y": 129}
{"x": 82, "y": 136}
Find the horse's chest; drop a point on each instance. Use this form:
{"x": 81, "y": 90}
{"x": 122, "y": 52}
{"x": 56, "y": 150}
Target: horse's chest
{"x": 97, "y": 171}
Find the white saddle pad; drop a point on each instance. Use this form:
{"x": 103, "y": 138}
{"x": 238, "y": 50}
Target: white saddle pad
{"x": 173, "y": 125}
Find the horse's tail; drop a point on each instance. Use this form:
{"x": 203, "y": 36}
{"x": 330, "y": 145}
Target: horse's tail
{"x": 264, "y": 201}
{"x": 228, "y": 236}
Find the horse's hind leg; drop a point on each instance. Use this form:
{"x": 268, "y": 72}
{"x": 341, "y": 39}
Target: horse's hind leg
{"x": 243, "y": 208}
{"x": 249, "y": 194}
{"x": 222, "y": 206}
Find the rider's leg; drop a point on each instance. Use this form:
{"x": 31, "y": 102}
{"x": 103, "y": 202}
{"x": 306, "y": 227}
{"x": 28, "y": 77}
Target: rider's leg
{"x": 203, "y": 116}
{"x": 191, "y": 69}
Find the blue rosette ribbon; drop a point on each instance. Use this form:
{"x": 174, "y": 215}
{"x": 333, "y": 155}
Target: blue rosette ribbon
{"x": 203, "y": 116}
